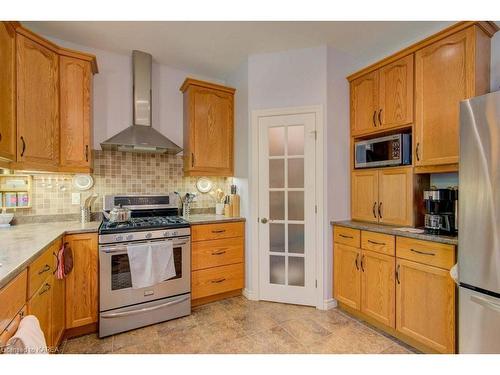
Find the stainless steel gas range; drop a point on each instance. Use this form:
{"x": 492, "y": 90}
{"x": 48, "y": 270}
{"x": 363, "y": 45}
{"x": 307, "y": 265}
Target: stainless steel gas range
{"x": 154, "y": 219}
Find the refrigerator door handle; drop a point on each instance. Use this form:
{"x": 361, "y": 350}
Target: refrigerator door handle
{"x": 485, "y": 303}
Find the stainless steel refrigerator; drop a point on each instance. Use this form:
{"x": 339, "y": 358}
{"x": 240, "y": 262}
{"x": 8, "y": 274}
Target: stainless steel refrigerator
{"x": 479, "y": 225}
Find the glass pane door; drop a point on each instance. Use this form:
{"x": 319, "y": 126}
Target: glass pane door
{"x": 286, "y": 204}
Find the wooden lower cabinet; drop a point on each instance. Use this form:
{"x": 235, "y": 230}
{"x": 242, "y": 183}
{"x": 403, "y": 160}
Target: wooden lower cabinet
{"x": 40, "y": 305}
{"x": 347, "y": 277}
{"x": 217, "y": 261}
{"x": 377, "y": 287}
{"x": 82, "y": 281}
{"x": 425, "y": 305}
{"x": 58, "y": 323}
{"x": 412, "y": 299}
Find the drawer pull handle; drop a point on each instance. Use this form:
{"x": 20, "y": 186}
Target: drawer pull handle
{"x": 217, "y": 281}
{"x": 45, "y": 289}
{"x": 219, "y": 231}
{"x": 397, "y": 274}
{"x": 376, "y": 243}
{"x": 345, "y": 236}
{"x": 44, "y": 269}
{"x": 219, "y": 252}
{"x": 422, "y": 252}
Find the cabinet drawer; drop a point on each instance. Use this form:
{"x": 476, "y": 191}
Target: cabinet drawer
{"x": 346, "y": 236}
{"x": 206, "y": 254}
{"x": 203, "y": 232}
{"x": 39, "y": 270}
{"x": 378, "y": 242}
{"x": 217, "y": 280}
{"x": 426, "y": 252}
{"x": 12, "y": 299}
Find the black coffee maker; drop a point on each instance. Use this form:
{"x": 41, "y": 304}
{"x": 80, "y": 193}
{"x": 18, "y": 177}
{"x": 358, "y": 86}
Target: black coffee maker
{"x": 441, "y": 210}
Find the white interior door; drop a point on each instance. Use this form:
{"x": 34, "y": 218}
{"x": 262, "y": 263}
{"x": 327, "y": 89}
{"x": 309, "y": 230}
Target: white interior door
{"x": 287, "y": 220}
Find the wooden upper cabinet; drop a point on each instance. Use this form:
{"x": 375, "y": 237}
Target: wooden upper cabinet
{"x": 82, "y": 283}
{"x": 7, "y": 91}
{"x": 347, "y": 278}
{"x": 76, "y": 116}
{"x": 364, "y": 195}
{"x": 364, "y": 104}
{"x": 208, "y": 129}
{"x": 448, "y": 71}
{"x": 425, "y": 305}
{"x": 396, "y": 93}
{"x": 378, "y": 289}
{"x": 395, "y": 196}
{"x": 37, "y": 104}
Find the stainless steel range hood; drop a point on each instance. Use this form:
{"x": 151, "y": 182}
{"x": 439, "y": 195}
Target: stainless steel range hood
{"x": 141, "y": 137}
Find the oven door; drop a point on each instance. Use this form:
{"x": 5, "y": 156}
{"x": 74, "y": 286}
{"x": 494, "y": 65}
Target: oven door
{"x": 378, "y": 152}
{"x": 116, "y": 283}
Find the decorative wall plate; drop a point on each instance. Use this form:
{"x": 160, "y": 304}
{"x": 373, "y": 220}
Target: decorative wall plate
{"x": 204, "y": 185}
{"x": 83, "y": 182}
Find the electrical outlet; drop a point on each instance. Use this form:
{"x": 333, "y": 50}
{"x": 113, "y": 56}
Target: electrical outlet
{"x": 75, "y": 198}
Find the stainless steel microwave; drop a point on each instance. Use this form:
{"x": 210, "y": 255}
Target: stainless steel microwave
{"x": 384, "y": 151}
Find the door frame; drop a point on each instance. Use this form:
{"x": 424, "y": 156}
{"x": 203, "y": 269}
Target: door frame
{"x": 253, "y": 290}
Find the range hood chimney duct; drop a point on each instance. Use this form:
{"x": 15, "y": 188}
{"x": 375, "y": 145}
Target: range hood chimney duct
{"x": 141, "y": 136}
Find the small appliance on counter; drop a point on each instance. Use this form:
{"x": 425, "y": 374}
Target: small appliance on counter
{"x": 441, "y": 210}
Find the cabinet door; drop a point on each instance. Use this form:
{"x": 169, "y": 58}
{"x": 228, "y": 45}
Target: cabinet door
{"x": 396, "y": 93}
{"x": 442, "y": 80}
{"x": 76, "y": 84}
{"x": 395, "y": 196}
{"x": 364, "y": 104}
{"x": 364, "y": 195}
{"x": 378, "y": 289}
{"x": 347, "y": 278}
{"x": 37, "y": 104}
{"x": 40, "y": 305}
{"x": 425, "y": 305}
{"x": 212, "y": 132}
{"x": 7, "y": 92}
{"x": 58, "y": 302}
{"x": 81, "y": 283}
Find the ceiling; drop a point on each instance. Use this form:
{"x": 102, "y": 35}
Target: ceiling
{"x": 216, "y": 48}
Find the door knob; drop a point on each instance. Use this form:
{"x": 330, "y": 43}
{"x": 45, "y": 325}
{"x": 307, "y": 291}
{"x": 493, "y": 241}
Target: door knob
{"x": 263, "y": 220}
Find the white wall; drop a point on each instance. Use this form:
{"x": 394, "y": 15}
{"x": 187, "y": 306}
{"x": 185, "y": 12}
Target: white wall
{"x": 337, "y": 143}
{"x": 113, "y": 94}
{"x": 495, "y": 62}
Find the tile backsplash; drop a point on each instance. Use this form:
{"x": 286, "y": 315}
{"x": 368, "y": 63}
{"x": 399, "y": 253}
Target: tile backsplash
{"x": 118, "y": 173}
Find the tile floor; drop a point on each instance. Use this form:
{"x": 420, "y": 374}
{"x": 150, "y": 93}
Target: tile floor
{"x": 237, "y": 325}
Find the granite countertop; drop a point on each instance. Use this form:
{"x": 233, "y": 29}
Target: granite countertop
{"x": 452, "y": 240}
{"x": 22, "y": 244}
{"x": 212, "y": 219}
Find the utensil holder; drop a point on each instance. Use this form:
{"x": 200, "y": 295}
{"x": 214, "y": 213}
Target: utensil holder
{"x": 219, "y": 208}
{"x": 84, "y": 215}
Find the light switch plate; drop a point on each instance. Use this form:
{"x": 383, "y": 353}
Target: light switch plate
{"x": 75, "y": 198}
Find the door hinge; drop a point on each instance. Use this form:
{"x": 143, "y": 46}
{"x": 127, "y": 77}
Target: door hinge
{"x": 315, "y": 209}
{"x": 315, "y": 135}
{"x": 316, "y": 283}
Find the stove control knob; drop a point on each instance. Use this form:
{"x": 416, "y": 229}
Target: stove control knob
{"x": 166, "y": 234}
{"x": 130, "y": 237}
{"x": 149, "y": 235}
{"x": 119, "y": 238}
{"x": 175, "y": 233}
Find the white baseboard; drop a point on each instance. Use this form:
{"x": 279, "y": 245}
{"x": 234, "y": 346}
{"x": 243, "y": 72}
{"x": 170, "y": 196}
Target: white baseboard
{"x": 329, "y": 304}
{"x": 251, "y": 295}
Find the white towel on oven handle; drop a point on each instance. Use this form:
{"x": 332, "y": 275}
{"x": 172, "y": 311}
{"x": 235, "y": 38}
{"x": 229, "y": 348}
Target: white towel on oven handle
{"x": 151, "y": 263}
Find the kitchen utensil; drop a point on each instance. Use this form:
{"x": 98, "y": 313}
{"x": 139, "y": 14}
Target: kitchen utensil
{"x": 83, "y": 182}
{"x": 118, "y": 215}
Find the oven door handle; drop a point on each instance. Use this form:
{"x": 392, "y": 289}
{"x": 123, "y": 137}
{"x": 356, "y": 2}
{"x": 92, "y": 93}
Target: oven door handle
{"x": 124, "y": 249}
{"x": 146, "y": 309}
